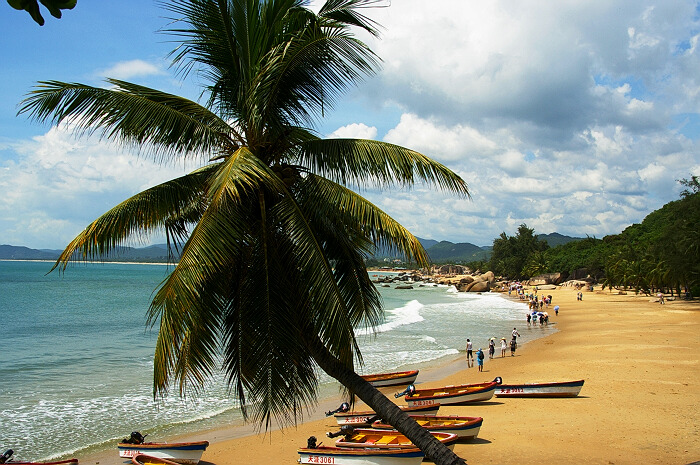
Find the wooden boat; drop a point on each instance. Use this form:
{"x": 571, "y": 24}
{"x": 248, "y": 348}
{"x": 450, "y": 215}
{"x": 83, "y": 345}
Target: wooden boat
{"x": 380, "y": 439}
{"x": 6, "y": 458}
{"x": 58, "y": 462}
{"x": 180, "y": 452}
{"x": 463, "y": 427}
{"x": 561, "y": 389}
{"x": 367, "y": 416}
{"x": 450, "y": 395}
{"x": 144, "y": 459}
{"x": 391, "y": 379}
{"x": 348, "y": 456}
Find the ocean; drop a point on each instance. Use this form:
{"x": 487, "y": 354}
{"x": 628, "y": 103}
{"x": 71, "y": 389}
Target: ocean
{"x": 76, "y": 355}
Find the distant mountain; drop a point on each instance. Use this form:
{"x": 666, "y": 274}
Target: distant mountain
{"x": 439, "y": 252}
{"x": 153, "y": 253}
{"x": 427, "y": 243}
{"x": 12, "y": 252}
{"x": 554, "y": 239}
{"x": 446, "y": 250}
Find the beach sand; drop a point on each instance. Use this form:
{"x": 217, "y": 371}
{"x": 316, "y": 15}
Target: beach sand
{"x": 640, "y": 402}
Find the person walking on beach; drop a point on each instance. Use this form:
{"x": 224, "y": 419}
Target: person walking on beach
{"x": 515, "y": 334}
{"x": 470, "y": 355}
{"x": 513, "y": 344}
{"x": 503, "y": 347}
{"x": 480, "y": 359}
{"x": 492, "y": 347}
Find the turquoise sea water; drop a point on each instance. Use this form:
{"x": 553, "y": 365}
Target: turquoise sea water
{"x": 76, "y": 356}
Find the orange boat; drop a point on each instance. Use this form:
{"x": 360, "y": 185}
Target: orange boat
{"x": 450, "y": 395}
{"x": 380, "y": 439}
{"x": 391, "y": 379}
{"x": 463, "y": 427}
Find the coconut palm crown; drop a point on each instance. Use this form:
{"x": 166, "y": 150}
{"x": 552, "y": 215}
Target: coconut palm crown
{"x": 271, "y": 278}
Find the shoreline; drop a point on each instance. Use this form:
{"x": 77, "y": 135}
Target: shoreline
{"x": 639, "y": 360}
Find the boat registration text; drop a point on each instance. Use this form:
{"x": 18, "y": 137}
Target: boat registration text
{"x": 511, "y": 391}
{"x": 318, "y": 459}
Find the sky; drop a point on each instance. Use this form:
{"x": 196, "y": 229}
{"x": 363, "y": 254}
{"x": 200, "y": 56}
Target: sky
{"x": 575, "y": 116}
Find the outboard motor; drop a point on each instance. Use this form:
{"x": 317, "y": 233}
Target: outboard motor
{"x": 6, "y": 455}
{"x": 135, "y": 438}
{"x": 410, "y": 389}
{"x": 498, "y": 380}
{"x": 344, "y": 407}
{"x": 345, "y": 430}
{"x": 311, "y": 442}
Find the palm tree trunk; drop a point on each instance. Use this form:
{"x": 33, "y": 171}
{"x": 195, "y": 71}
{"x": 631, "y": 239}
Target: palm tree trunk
{"x": 433, "y": 449}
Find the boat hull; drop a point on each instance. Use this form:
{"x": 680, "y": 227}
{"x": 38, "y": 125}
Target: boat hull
{"x": 188, "y": 453}
{"x": 362, "y": 418}
{"x": 143, "y": 459}
{"x": 463, "y": 427}
{"x": 451, "y": 395}
{"x": 58, "y": 462}
{"x": 564, "y": 389}
{"x": 339, "y": 456}
{"x": 391, "y": 379}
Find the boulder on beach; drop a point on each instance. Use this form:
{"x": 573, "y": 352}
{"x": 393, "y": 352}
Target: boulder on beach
{"x": 478, "y": 286}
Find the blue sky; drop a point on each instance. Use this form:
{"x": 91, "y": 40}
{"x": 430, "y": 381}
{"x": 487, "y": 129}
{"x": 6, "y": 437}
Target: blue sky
{"x": 575, "y": 117}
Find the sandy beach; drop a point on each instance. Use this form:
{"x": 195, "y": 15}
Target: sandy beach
{"x": 641, "y": 365}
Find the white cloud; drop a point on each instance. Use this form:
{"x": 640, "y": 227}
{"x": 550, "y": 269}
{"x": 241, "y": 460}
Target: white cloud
{"x": 133, "y": 68}
{"x": 354, "y": 131}
{"x": 59, "y": 184}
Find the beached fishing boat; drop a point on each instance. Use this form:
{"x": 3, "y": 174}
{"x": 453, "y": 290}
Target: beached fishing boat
{"x": 188, "y": 453}
{"x": 368, "y": 416}
{"x": 560, "y": 389}
{"x": 144, "y": 459}
{"x": 6, "y": 458}
{"x": 57, "y": 462}
{"x": 347, "y": 456}
{"x": 450, "y": 395}
{"x": 381, "y": 439}
{"x": 463, "y": 427}
{"x": 391, "y": 379}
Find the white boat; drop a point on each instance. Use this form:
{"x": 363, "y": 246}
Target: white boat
{"x": 368, "y": 416}
{"x": 450, "y": 395}
{"x": 558, "y": 389}
{"x": 188, "y": 453}
{"x": 391, "y": 379}
{"x": 346, "y": 456}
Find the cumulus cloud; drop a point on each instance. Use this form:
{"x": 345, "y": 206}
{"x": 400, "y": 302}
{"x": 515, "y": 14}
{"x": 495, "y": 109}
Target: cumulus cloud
{"x": 563, "y": 124}
{"x": 130, "y": 69}
{"x": 354, "y": 131}
{"x": 575, "y": 117}
{"x": 58, "y": 184}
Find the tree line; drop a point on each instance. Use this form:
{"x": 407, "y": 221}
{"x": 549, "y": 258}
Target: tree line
{"x": 662, "y": 253}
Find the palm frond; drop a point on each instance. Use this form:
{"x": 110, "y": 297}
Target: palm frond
{"x": 154, "y": 209}
{"x": 133, "y": 115}
{"x": 361, "y": 161}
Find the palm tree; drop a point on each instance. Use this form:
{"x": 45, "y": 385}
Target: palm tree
{"x": 271, "y": 279}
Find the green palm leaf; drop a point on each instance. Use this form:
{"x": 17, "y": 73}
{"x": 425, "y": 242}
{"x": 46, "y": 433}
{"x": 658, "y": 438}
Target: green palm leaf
{"x": 132, "y": 115}
{"x": 158, "y": 208}
{"x": 360, "y": 161}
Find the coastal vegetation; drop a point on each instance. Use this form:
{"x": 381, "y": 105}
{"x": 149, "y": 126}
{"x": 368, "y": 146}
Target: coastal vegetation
{"x": 271, "y": 279}
{"x": 662, "y": 253}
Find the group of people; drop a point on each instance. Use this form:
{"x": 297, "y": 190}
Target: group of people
{"x": 543, "y": 318}
{"x": 480, "y": 356}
